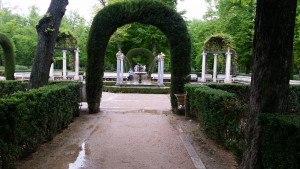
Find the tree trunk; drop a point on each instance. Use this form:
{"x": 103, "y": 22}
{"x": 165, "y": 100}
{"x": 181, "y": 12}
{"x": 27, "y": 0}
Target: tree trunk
{"x": 272, "y": 59}
{"x": 47, "y": 30}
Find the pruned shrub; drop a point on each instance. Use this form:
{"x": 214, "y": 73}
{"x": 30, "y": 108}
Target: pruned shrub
{"x": 280, "y": 141}
{"x": 8, "y": 87}
{"x": 30, "y": 118}
{"x": 145, "y": 90}
{"x": 219, "y": 113}
{"x": 9, "y": 56}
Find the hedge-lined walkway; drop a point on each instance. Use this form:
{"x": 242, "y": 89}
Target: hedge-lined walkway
{"x": 132, "y": 132}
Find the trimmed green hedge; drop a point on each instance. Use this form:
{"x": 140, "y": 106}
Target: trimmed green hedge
{"x": 149, "y": 12}
{"x": 219, "y": 113}
{"x": 113, "y": 83}
{"x": 9, "y": 56}
{"x": 242, "y": 91}
{"x": 28, "y": 119}
{"x": 8, "y": 87}
{"x": 146, "y": 90}
{"x": 280, "y": 141}
{"x": 294, "y": 99}
{"x": 222, "y": 115}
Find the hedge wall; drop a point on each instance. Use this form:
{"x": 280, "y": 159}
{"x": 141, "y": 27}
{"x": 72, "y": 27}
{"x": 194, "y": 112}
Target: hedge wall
{"x": 8, "y": 87}
{"x": 27, "y": 119}
{"x": 222, "y": 115}
{"x": 149, "y": 12}
{"x": 294, "y": 99}
{"x": 145, "y": 90}
{"x": 280, "y": 141}
{"x": 9, "y": 57}
{"x": 242, "y": 92}
{"x": 219, "y": 113}
{"x": 113, "y": 83}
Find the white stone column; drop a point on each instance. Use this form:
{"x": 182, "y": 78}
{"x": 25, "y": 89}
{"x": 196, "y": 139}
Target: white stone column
{"x": 122, "y": 67}
{"x": 228, "y": 67}
{"x": 76, "y": 77}
{"x": 118, "y": 55}
{"x": 161, "y": 81}
{"x": 215, "y": 67}
{"x": 51, "y": 73}
{"x": 64, "y": 64}
{"x": 203, "y": 66}
{"x": 158, "y": 69}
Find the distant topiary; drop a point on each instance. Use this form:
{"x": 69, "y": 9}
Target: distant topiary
{"x": 221, "y": 42}
{"x": 149, "y": 12}
{"x": 9, "y": 57}
{"x": 140, "y": 52}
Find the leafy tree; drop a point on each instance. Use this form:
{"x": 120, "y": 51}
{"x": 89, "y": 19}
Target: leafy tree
{"x": 296, "y": 64}
{"x": 199, "y": 31}
{"x": 21, "y": 30}
{"x": 237, "y": 20}
{"x": 47, "y": 29}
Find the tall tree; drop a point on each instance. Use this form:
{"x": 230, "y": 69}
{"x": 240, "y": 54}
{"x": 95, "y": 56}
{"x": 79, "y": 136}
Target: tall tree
{"x": 47, "y": 30}
{"x": 272, "y": 59}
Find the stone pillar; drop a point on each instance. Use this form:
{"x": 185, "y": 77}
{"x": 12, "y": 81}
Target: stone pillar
{"x": 161, "y": 80}
{"x": 64, "y": 64}
{"x": 118, "y": 55}
{"x": 76, "y": 77}
{"x": 228, "y": 67}
{"x": 51, "y": 73}
{"x": 158, "y": 69}
{"x": 122, "y": 67}
{"x": 203, "y": 66}
{"x": 215, "y": 67}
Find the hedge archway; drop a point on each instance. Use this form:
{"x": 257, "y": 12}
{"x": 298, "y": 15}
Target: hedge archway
{"x": 140, "y": 52}
{"x": 148, "y": 12}
{"x": 220, "y": 42}
{"x": 9, "y": 57}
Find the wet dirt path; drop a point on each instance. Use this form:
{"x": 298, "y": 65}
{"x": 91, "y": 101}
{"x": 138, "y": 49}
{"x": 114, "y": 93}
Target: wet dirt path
{"x": 132, "y": 131}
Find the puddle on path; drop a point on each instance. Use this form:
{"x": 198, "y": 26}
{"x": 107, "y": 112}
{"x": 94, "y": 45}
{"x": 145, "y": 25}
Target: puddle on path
{"x": 81, "y": 158}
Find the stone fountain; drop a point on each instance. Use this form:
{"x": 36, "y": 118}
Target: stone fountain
{"x": 140, "y": 70}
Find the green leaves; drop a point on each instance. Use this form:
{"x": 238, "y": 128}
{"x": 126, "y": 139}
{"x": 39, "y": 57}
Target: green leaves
{"x": 106, "y": 22}
{"x": 9, "y": 56}
{"x": 27, "y": 119}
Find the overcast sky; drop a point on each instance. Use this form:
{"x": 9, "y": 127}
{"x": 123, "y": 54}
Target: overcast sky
{"x": 195, "y": 9}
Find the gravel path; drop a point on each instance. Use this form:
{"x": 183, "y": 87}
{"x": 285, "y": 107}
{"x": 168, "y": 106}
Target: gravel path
{"x": 132, "y": 131}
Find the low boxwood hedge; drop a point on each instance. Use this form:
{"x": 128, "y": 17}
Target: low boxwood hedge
{"x": 30, "y": 118}
{"x": 280, "y": 141}
{"x": 294, "y": 99}
{"x": 113, "y": 83}
{"x": 219, "y": 113}
{"x": 8, "y": 87}
{"x": 145, "y": 90}
{"x": 221, "y": 110}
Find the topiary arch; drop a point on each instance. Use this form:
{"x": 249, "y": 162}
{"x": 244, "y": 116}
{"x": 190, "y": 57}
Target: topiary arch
{"x": 9, "y": 57}
{"x": 220, "y": 42}
{"x": 148, "y": 12}
{"x": 140, "y": 52}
